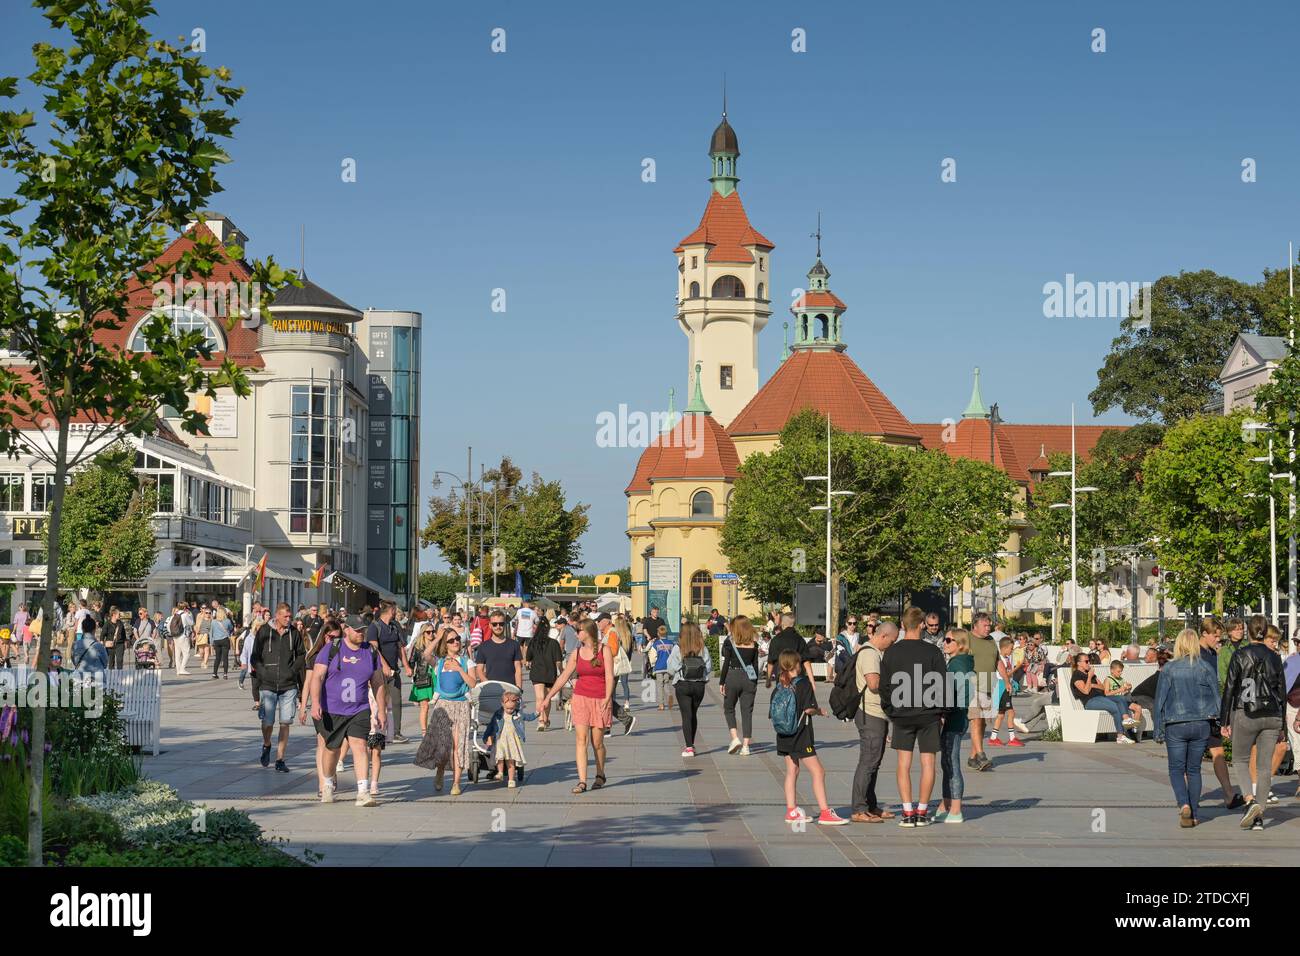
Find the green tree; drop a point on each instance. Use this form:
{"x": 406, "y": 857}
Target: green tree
{"x": 913, "y": 515}
{"x": 1169, "y": 371}
{"x": 106, "y": 533}
{"x": 440, "y": 587}
{"x": 130, "y": 155}
{"x": 537, "y": 533}
{"x": 1209, "y": 537}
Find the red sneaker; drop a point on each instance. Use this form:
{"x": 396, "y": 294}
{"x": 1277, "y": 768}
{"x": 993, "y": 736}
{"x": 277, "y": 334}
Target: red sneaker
{"x": 1015, "y": 742}
{"x": 994, "y": 742}
{"x": 829, "y": 818}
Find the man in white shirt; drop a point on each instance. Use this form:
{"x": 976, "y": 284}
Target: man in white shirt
{"x": 525, "y": 623}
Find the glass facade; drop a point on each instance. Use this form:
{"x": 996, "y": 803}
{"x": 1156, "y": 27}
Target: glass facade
{"x": 314, "y": 454}
{"x": 392, "y": 496}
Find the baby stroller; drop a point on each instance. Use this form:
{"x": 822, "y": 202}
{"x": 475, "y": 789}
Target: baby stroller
{"x": 485, "y": 699}
{"x": 146, "y": 654}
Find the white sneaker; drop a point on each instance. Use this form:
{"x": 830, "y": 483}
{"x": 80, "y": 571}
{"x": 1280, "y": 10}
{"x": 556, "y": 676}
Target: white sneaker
{"x": 327, "y": 792}
{"x": 1121, "y": 739}
{"x": 366, "y": 799}
{"x": 744, "y": 751}
{"x": 734, "y": 745}
{"x": 688, "y": 752}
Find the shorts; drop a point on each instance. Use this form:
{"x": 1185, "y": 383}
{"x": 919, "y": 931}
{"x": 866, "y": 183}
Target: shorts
{"x": 909, "y": 733}
{"x": 336, "y": 728}
{"x": 590, "y": 711}
{"x": 1004, "y": 704}
{"x": 663, "y": 685}
{"x": 982, "y": 707}
{"x": 279, "y": 707}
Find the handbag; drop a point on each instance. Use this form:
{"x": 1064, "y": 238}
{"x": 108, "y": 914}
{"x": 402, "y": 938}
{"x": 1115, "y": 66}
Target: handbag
{"x": 748, "y": 668}
{"x": 622, "y": 663}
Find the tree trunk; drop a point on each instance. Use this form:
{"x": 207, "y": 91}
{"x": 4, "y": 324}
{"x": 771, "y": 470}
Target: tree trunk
{"x": 35, "y": 830}
{"x": 1218, "y": 601}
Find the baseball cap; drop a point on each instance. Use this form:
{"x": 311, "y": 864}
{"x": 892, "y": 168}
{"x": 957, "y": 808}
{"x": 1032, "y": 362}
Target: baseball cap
{"x": 603, "y": 616}
{"x": 355, "y": 621}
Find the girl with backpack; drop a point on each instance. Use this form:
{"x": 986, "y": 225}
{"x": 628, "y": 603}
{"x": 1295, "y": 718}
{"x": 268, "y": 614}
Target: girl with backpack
{"x": 791, "y": 709}
{"x": 739, "y": 681}
{"x": 689, "y": 668}
{"x": 543, "y": 657}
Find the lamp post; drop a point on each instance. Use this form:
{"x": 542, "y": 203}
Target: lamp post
{"x": 1075, "y": 491}
{"x": 830, "y": 495}
{"x": 467, "y": 486}
{"x": 1248, "y": 431}
{"x": 994, "y": 421}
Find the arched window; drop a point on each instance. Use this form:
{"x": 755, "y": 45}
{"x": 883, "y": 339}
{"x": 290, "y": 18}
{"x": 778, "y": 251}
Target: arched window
{"x": 803, "y": 327}
{"x": 823, "y": 327}
{"x": 728, "y": 287}
{"x": 701, "y": 589}
{"x": 695, "y": 290}
{"x": 183, "y": 320}
{"x": 760, "y": 290}
{"x": 702, "y": 505}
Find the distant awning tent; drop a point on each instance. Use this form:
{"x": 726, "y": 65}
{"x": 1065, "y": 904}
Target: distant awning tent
{"x": 364, "y": 583}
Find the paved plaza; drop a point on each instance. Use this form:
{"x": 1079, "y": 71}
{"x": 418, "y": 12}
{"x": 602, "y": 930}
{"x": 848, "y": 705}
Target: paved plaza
{"x": 1050, "y": 804}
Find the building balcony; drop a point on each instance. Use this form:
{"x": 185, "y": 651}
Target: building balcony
{"x": 304, "y": 334}
{"x": 183, "y": 529}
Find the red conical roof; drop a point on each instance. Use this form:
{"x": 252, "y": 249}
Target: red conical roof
{"x": 726, "y": 227}
{"x": 830, "y": 382}
{"x": 696, "y": 447}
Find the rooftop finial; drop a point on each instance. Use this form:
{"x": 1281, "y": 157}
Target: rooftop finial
{"x": 976, "y": 409}
{"x": 818, "y": 234}
{"x": 724, "y": 95}
{"x": 697, "y": 400}
{"x": 302, "y": 250}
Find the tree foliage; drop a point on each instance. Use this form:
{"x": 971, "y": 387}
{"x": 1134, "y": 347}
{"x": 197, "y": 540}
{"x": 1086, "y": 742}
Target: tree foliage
{"x": 914, "y": 516}
{"x": 107, "y": 530}
{"x": 130, "y": 155}
{"x": 1168, "y": 371}
{"x": 1210, "y": 538}
{"x": 537, "y": 532}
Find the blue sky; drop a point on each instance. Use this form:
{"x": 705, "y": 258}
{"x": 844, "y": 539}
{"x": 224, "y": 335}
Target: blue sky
{"x": 522, "y": 171}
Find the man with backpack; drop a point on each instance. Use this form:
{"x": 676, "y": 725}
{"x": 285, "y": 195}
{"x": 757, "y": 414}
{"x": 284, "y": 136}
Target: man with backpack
{"x": 856, "y": 697}
{"x": 913, "y": 680}
{"x": 345, "y": 676}
{"x": 279, "y": 661}
{"x": 178, "y": 642}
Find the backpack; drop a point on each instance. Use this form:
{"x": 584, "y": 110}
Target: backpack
{"x": 784, "y": 709}
{"x": 693, "y": 668}
{"x": 175, "y": 627}
{"x": 845, "y": 697}
{"x": 421, "y": 678}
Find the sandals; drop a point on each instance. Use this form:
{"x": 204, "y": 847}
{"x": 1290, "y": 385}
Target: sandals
{"x": 580, "y": 788}
{"x": 600, "y": 782}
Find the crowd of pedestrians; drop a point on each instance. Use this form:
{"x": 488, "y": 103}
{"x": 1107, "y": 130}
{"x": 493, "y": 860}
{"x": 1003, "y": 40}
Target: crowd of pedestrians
{"x": 912, "y": 686}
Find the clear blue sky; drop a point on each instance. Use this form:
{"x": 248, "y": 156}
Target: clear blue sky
{"x": 522, "y": 171}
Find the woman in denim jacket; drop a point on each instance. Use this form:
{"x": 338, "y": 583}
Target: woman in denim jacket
{"x": 1187, "y": 704}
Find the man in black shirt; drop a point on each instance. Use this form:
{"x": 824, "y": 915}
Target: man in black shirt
{"x": 383, "y": 635}
{"x": 788, "y": 639}
{"x": 913, "y": 692}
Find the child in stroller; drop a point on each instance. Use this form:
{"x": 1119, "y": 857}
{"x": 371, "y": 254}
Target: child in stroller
{"x": 497, "y": 730}
{"x": 146, "y": 653}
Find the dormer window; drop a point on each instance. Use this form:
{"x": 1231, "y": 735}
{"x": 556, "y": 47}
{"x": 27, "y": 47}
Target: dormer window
{"x": 695, "y": 262}
{"x": 760, "y": 263}
{"x": 183, "y": 320}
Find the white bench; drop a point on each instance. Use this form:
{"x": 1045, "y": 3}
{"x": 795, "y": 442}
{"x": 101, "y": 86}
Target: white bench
{"x": 1080, "y": 726}
{"x": 141, "y": 694}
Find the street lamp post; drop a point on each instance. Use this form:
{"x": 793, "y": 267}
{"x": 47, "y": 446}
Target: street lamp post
{"x": 994, "y": 421}
{"x": 1248, "y": 430}
{"x": 1075, "y": 491}
{"x": 467, "y": 487}
{"x": 830, "y": 495}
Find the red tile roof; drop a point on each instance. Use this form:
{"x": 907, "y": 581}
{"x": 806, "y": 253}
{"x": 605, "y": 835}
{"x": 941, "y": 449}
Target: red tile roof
{"x": 1020, "y": 448}
{"x": 241, "y": 342}
{"x": 830, "y": 382}
{"x": 819, "y": 300}
{"x": 726, "y": 228}
{"x": 696, "y": 447}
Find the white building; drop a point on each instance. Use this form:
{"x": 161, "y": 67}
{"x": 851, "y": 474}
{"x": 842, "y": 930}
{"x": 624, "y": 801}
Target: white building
{"x": 283, "y": 472}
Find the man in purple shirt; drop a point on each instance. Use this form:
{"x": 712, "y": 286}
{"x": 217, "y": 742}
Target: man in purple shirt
{"x": 344, "y": 674}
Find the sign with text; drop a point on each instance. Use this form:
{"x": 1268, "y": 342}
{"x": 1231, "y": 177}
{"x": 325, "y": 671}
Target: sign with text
{"x": 665, "y": 590}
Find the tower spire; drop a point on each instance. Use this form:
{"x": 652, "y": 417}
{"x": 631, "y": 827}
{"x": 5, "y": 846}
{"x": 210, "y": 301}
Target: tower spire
{"x": 697, "y": 405}
{"x": 670, "y": 419}
{"x": 724, "y": 95}
{"x": 975, "y": 408}
{"x": 818, "y": 234}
